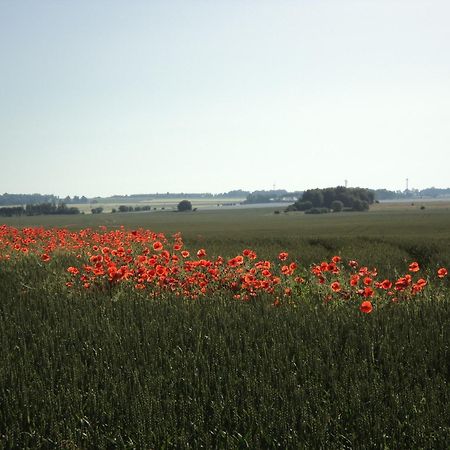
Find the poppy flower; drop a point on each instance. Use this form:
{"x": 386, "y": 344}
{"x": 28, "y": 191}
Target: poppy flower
{"x": 45, "y": 258}
{"x": 366, "y": 307}
{"x": 283, "y": 256}
{"x": 421, "y": 282}
{"x": 442, "y": 272}
{"x": 335, "y": 286}
{"x": 157, "y": 246}
{"x": 414, "y": 267}
{"x": 201, "y": 253}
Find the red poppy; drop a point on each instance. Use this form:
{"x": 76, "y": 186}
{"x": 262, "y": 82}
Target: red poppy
{"x": 421, "y": 282}
{"x": 201, "y": 253}
{"x": 283, "y": 256}
{"x": 45, "y": 258}
{"x": 366, "y": 307}
{"x": 335, "y": 286}
{"x": 442, "y": 272}
{"x": 414, "y": 267}
{"x": 157, "y": 246}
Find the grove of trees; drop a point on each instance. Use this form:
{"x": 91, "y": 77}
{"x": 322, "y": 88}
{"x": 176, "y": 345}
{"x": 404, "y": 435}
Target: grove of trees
{"x": 38, "y": 209}
{"x": 335, "y": 199}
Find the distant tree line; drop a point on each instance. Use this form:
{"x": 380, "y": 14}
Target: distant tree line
{"x": 26, "y": 199}
{"x": 126, "y": 208}
{"x": 384, "y": 194}
{"x": 38, "y": 209}
{"x": 271, "y": 196}
{"x": 340, "y": 198}
{"x": 36, "y": 199}
{"x": 76, "y": 199}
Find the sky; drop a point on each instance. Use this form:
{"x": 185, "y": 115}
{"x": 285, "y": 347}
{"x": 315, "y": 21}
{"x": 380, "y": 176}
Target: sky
{"x": 125, "y": 97}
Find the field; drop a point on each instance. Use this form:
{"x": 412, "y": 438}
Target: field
{"x": 133, "y": 361}
{"x": 169, "y": 204}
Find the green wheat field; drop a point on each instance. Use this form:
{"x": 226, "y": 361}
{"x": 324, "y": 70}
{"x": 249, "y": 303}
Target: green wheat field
{"x": 95, "y": 371}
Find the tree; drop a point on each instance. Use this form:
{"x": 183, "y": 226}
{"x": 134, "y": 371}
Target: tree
{"x": 303, "y": 206}
{"x": 360, "y": 205}
{"x": 337, "y": 206}
{"x": 184, "y": 205}
{"x": 315, "y": 196}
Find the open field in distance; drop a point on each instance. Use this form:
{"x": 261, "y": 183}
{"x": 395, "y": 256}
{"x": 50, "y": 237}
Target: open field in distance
{"x": 386, "y": 236}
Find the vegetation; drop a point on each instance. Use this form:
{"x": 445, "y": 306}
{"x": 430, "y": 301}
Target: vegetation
{"x": 38, "y": 209}
{"x": 184, "y": 205}
{"x": 385, "y": 194}
{"x": 354, "y": 199}
{"x": 109, "y": 365}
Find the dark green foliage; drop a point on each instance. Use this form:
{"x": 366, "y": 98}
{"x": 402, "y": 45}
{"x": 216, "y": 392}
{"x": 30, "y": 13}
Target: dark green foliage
{"x": 11, "y": 211}
{"x": 303, "y": 206}
{"x": 317, "y": 211}
{"x": 125, "y": 208}
{"x": 50, "y": 209}
{"x": 90, "y": 372}
{"x": 315, "y": 196}
{"x": 184, "y": 205}
{"x": 360, "y": 205}
{"x": 356, "y": 199}
{"x": 337, "y": 205}
{"x": 97, "y": 210}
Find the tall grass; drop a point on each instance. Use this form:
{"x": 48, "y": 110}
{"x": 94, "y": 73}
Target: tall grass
{"x": 88, "y": 372}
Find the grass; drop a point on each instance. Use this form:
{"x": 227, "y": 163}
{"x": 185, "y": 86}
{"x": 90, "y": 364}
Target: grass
{"x": 87, "y": 372}
{"x": 82, "y": 370}
{"x": 386, "y": 237}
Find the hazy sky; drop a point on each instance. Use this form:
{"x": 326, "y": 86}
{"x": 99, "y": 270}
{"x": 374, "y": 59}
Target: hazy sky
{"x": 120, "y": 97}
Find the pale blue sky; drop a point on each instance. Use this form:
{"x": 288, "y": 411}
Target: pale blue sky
{"x": 121, "y": 97}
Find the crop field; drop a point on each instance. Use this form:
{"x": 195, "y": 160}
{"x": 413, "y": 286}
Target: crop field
{"x": 157, "y": 204}
{"x": 226, "y": 329}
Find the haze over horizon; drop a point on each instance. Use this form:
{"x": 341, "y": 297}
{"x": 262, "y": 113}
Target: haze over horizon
{"x": 109, "y": 97}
